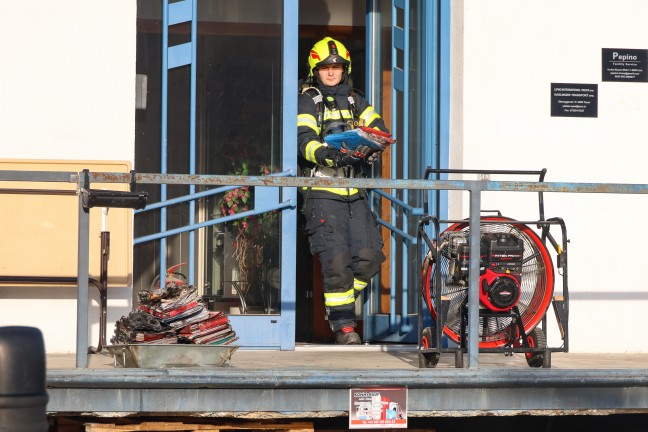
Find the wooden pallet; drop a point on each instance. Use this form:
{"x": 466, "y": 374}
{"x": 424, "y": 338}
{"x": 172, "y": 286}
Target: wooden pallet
{"x": 186, "y": 427}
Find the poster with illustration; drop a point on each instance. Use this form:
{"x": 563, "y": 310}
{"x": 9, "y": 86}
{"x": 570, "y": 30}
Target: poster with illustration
{"x": 371, "y": 408}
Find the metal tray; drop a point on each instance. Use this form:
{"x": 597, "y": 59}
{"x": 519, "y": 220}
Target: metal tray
{"x": 170, "y": 355}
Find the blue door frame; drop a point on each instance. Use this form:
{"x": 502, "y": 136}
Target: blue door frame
{"x": 433, "y": 74}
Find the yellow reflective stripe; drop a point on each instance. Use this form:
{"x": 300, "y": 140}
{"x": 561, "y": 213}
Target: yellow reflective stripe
{"x": 311, "y": 147}
{"x": 369, "y": 115}
{"x": 337, "y": 115}
{"x": 339, "y": 299}
{"x": 337, "y": 191}
{"x": 359, "y": 285}
{"x": 308, "y": 121}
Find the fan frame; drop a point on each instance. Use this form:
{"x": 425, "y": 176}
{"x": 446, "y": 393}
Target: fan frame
{"x": 529, "y": 322}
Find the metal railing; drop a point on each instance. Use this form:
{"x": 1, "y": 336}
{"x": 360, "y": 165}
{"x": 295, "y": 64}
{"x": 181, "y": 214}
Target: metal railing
{"x": 474, "y": 187}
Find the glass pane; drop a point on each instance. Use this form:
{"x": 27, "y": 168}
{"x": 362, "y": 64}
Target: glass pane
{"x": 240, "y": 104}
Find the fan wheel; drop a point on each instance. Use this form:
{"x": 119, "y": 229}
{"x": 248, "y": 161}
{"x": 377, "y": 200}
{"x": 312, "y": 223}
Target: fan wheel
{"x": 537, "y": 284}
{"x": 428, "y": 338}
{"x": 536, "y": 339}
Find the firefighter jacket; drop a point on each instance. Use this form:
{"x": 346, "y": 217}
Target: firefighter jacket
{"x": 318, "y": 110}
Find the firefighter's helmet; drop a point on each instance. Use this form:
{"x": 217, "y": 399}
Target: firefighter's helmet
{"x": 328, "y": 51}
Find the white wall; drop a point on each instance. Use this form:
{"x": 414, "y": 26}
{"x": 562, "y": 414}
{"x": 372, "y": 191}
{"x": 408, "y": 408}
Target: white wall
{"x": 510, "y": 52}
{"x": 67, "y": 91}
{"x": 68, "y": 79}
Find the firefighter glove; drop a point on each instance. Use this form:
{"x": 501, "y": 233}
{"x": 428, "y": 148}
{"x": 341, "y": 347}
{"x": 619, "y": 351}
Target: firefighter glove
{"x": 347, "y": 157}
{"x": 373, "y": 157}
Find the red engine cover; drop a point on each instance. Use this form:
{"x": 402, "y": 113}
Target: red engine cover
{"x": 486, "y": 282}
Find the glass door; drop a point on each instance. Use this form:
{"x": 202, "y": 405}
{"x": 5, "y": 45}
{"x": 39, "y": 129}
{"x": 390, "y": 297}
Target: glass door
{"x": 221, "y": 111}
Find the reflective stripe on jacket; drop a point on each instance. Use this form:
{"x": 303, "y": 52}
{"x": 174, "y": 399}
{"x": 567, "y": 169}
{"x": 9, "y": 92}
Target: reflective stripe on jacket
{"x": 313, "y": 152}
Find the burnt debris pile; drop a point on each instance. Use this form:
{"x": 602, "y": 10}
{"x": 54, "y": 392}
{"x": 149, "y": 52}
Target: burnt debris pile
{"x": 173, "y": 315}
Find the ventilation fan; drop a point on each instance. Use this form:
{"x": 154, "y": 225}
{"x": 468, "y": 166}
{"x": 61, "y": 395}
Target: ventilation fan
{"x": 515, "y": 286}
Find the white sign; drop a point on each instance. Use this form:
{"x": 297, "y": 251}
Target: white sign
{"x": 372, "y": 408}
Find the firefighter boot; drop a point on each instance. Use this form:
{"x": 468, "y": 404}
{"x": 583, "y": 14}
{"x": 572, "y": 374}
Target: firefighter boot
{"x": 347, "y": 336}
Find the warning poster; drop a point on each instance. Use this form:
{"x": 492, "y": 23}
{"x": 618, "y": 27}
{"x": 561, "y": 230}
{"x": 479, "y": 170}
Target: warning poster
{"x": 374, "y": 408}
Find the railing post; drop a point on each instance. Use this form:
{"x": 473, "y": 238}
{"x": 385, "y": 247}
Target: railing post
{"x": 473, "y": 278}
{"x": 82, "y": 282}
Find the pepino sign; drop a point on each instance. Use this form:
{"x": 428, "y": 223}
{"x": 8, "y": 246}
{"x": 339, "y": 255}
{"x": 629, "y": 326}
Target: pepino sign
{"x": 624, "y": 65}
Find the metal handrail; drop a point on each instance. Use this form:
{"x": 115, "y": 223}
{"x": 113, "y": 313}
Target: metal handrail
{"x": 216, "y": 221}
{"x": 197, "y": 195}
{"x": 474, "y": 187}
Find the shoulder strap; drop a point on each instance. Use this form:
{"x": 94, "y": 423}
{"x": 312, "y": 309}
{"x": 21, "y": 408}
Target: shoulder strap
{"x": 352, "y": 104}
{"x": 314, "y": 93}
{"x": 318, "y": 100}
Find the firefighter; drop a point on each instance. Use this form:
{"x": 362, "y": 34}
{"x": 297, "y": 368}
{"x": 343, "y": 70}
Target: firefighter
{"x": 342, "y": 230}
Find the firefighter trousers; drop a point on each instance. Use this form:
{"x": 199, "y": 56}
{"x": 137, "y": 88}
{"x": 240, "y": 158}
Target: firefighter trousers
{"x": 344, "y": 234}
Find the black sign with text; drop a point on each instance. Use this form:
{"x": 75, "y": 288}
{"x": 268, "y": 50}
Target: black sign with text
{"x": 574, "y": 100}
{"x": 625, "y": 65}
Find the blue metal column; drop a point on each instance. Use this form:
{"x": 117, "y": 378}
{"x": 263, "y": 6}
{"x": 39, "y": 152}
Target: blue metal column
{"x": 443, "y": 97}
{"x": 400, "y": 86}
{"x": 373, "y": 43}
{"x": 163, "y": 133}
{"x": 373, "y": 91}
{"x": 436, "y": 88}
{"x": 289, "y": 42}
{"x": 430, "y": 77}
{"x": 173, "y": 57}
{"x": 192, "y": 139}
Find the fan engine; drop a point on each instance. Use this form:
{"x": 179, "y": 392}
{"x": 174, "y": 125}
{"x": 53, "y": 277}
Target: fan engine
{"x": 500, "y": 267}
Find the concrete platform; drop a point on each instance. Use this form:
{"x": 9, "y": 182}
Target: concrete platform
{"x": 315, "y": 381}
